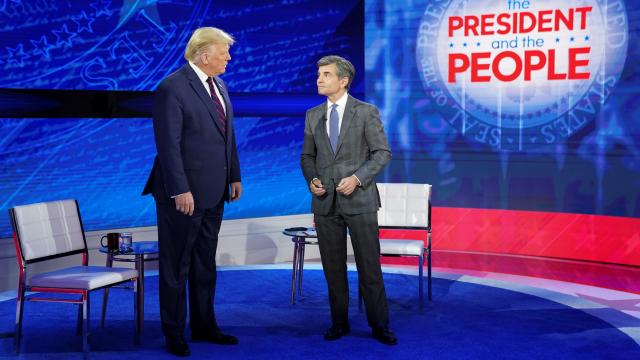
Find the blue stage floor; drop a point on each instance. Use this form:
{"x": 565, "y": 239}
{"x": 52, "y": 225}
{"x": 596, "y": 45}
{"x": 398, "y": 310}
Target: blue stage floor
{"x": 466, "y": 320}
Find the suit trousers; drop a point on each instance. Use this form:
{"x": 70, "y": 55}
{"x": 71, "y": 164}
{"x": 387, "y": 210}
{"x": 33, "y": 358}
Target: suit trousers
{"x": 332, "y": 239}
{"x": 187, "y": 247}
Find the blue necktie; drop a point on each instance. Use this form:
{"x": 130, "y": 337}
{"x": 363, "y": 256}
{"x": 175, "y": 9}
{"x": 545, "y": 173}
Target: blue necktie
{"x": 334, "y": 128}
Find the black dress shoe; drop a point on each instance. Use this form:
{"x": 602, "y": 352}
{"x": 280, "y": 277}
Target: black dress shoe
{"x": 336, "y": 332}
{"x": 177, "y": 346}
{"x": 216, "y": 338}
{"x": 384, "y": 335}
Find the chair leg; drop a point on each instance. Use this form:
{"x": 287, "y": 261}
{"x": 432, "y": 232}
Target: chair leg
{"x": 420, "y": 265}
{"x": 140, "y": 291}
{"x": 20, "y": 300}
{"x": 300, "y": 268}
{"x": 295, "y": 270}
{"x": 429, "y": 273}
{"x": 105, "y": 295}
{"x": 105, "y": 299}
{"x": 136, "y": 313}
{"x": 79, "y": 325}
{"x": 85, "y": 328}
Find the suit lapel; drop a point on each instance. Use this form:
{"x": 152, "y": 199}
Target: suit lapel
{"x": 198, "y": 87}
{"x": 321, "y": 129}
{"x": 349, "y": 114}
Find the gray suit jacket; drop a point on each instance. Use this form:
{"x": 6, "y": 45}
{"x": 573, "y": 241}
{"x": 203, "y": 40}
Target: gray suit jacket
{"x": 362, "y": 150}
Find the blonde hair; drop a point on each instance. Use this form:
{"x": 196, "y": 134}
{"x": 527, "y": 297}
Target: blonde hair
{"x": 202, "y": 38}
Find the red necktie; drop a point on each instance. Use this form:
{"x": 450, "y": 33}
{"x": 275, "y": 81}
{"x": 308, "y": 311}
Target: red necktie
{"x": 221, "y": 115}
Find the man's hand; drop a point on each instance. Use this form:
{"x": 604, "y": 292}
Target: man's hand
{"x": 236, "y": 190}
{"x": 185, "y": 204}
{"x": 347, "y": 185}
{"x": 317, "y": 188}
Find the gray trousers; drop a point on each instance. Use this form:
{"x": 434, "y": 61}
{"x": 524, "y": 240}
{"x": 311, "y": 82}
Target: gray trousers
{"x": 332, "y": 239}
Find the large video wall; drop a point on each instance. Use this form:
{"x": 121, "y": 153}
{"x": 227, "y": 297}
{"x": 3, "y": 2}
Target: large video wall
{"x": 132, "y": 45}
{"x": 506, "y": 104}
{"x": 500, "y": 104}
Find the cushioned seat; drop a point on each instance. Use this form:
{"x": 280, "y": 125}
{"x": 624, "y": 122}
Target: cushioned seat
{"x": 401, "y": 247}
{"x": 83, "y": 277}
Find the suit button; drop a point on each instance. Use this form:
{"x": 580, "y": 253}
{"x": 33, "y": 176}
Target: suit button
{"x": 225, "y": 168}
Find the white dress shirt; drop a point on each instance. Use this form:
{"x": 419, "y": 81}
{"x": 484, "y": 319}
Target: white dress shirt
{"x": 203, "y": 78}
{"x": 342, "y": 103}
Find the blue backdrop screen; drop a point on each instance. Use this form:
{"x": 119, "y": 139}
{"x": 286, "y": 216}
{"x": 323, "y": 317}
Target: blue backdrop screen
{"x": 569, "y": 145}
{"x": 133, "y": 45}
{"x": 552, "y": 142}
{"x": 104, "y": 164}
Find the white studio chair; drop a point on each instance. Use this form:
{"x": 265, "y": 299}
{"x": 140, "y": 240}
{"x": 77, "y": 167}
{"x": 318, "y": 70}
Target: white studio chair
{"x": 51, "y": 230}
{"x": 407, "y": 207}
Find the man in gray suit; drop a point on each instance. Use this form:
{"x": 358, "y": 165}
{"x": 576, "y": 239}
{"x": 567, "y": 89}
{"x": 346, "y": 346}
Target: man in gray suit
{"x": 344, "y": 148}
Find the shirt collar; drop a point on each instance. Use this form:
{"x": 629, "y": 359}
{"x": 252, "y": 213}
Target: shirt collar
{"x": 201, "y": 75}
{"x": 342, "y": 102}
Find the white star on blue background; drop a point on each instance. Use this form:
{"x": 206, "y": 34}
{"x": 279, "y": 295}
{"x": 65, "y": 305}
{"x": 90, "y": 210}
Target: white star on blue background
{"x": 102, "y": 7}
{"x": 63, "y": 37}
{"x": 17, "y": 55}
{"x": 84, "y": 22}
{"x": 42, "y": 46}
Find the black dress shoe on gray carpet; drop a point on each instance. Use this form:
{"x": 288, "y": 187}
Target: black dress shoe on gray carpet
{"x": 336, "y": 332}
{"x": 216, "y": 338}
{"x": 384, "y": 335}
{"x": 177, "y": 346}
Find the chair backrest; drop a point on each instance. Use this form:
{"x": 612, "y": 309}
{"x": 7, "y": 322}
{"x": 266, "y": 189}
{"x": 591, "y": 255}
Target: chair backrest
{"x": 405, "y": 205}
{"x": 48, "y": 230}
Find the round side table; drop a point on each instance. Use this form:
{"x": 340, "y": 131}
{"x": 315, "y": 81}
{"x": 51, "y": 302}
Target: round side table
{"x": 141, "y": 252}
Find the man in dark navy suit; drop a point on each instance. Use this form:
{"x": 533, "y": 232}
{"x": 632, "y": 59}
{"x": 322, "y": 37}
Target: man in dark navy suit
{"x": 195, "y": 172}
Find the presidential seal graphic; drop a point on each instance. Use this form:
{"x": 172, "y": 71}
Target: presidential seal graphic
{"x": 521, "y": 74}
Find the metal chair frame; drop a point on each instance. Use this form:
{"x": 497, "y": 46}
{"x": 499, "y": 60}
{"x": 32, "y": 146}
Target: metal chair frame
{"x": 83, "y": 301}
{"x": 426, "y": 252}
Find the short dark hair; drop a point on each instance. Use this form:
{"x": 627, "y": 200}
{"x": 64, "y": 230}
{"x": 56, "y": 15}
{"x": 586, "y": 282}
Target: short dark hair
{"x": 344, "y": 66}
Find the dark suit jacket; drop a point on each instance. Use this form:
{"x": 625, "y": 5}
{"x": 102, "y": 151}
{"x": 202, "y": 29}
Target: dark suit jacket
{"x": 362, "y": 150}
{"x": 193, "y": 153}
